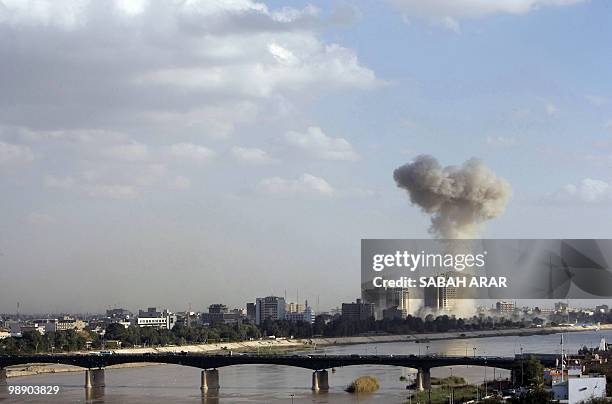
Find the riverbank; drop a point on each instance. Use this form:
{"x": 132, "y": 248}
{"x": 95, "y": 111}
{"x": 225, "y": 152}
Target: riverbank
{"x": 265, "y": 346}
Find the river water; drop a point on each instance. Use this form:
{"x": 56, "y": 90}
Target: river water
{"x": 280, "y": 384}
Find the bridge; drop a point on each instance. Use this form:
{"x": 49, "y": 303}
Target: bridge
{"x": 94, "y": 363}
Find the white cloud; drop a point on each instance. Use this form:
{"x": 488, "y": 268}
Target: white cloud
{"x": 131, "y": 152}
{"x": 180, "y": 183}
{"x": 192, "y": 152}
{"x": 587, "y": 191}
{"x": 40, "y": 219}
{"x": 192, "y": 63}
{"x": 551, "y": 109}
{"x": 473, "y": 8}
{"x": 448, "y": 13}
{"x": 306, "y": 185}
{"x": 318, "y": 145}
{"x": 111, "y": 191}
{"x": 448, "y": 23}
{"x": 251, "y": 155}
{"x": 15, "y": 153}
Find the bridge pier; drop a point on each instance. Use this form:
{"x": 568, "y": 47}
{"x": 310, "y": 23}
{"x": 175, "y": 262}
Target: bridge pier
{"x": 210, "y": 379}
{"x": 94, "y": 378}
{"x": 3, "y": 383}
{"x": 423, "y": 380}
{"x": 320, "y": 380}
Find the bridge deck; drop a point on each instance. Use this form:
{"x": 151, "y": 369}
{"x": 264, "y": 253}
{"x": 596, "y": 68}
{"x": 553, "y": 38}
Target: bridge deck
{"x": 313, "y": 362}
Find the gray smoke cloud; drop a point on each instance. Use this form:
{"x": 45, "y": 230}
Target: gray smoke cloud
{"x": 459, "y": 199}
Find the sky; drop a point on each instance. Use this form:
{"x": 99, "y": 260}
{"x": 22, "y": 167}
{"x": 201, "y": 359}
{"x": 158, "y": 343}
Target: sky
{"x": 192, "y": 152}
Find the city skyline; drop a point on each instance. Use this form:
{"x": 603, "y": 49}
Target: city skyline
{"x": 188, "y": 152}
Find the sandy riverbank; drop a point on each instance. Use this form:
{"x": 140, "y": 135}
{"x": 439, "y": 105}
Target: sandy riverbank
{"x": 264, "y": 346}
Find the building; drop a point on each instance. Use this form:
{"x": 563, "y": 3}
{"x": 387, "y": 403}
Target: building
{"x": 118, "y": 314}
{"x": 215, "y": 315}
{"x": 272, "y": 307}
{"x": 153, "y": 318}
{"x": 580, "y": 389}
{"x": 386, "y": 298}
{"x": 504, "y": 307}
{"x": 187, "y": 318}
{"x": 307, "y": 315}
{"x": 294, "y": 308}
{"x": 69, "y": 323}
{"x": 561, "y": 307}
{"x": 440, "y": 298}
{"x": 357, "y": 311}
{"x": 250, "y": 311}
{"x": 393, "y": 313}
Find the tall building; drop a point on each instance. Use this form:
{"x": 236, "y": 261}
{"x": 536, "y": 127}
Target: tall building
{"x": 272, "y": 307}
{"x": 250, "y": 308}
{"x": 358, "y": 310}
{"x": 387, "y": 298}
{"x": 440, "y": 298}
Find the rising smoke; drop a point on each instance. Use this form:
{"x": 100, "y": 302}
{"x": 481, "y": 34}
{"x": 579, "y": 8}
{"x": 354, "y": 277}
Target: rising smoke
{"x": 459, "y": 199}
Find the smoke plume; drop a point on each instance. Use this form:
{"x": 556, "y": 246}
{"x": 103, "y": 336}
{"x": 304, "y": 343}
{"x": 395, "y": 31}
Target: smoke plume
{"x": 459, "y": 199}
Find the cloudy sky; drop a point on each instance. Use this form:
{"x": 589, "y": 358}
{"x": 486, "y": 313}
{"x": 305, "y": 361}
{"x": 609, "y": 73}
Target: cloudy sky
{"x": 167, "y": 153}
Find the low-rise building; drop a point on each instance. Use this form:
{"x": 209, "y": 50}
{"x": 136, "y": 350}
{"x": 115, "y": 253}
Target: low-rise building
{"x": 357, "y": 311}
{"x": 580, "y": 389}
{"x": 505, "y": 307}
{"x": 153, "y": 318}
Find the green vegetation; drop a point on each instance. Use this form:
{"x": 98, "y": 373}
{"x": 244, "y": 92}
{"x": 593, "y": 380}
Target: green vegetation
{"x": 363, "y": 384}
{"x": 529, "y": 372}
{"x": 345, "y": 328}
{"x": 65, "y": 341}
{"x": 180, "y": 334}
{"x": 198, "y": 334}
{"x": 441, "y": 394}
{"x": 538, "y": 395}
{"x": 448, "y": 381}
{"x": 34, "y": 342}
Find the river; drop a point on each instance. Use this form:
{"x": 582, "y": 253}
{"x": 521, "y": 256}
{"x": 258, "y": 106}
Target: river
{"x": 279, "y": 384}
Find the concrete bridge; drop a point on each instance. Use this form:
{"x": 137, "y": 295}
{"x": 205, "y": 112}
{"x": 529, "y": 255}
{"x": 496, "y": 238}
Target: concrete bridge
{"x": 94, "y": 363}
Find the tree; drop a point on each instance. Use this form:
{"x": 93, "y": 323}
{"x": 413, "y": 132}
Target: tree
{"x": 538, "y": 395}
{"x": 115, "y": 331}
{"x": 529, "y": 371}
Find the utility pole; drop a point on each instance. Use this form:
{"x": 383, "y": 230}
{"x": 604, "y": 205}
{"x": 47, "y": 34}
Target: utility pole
{"x": 562, "y": 360}
{"x": 522, "y": 370}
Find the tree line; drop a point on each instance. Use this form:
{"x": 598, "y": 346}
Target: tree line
{"x": 63, "y": 341}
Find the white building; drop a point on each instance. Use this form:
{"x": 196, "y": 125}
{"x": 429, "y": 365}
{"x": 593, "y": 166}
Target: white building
{"x": 308, "y": 315}
{"x": 580, "y": 389}
{"x": 153, "y": 318}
